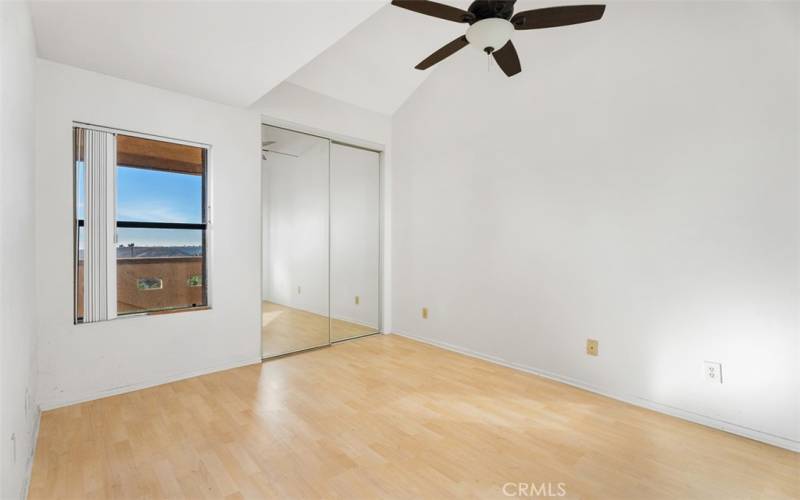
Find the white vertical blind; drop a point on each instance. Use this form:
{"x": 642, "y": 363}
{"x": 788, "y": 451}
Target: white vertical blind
{"x": 100, "y": 278}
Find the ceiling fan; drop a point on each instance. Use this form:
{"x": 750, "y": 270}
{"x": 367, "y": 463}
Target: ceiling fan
{"x": 491, "y": 24}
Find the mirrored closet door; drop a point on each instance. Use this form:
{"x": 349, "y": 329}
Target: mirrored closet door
{"x": 295, "y": 213}
{"x": 320, "y": 242}
{"x": 355, "y": 238}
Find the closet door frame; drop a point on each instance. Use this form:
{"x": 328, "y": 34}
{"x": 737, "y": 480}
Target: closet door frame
{"x": 342, "y": 140}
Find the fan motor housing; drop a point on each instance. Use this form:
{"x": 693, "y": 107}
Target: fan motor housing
{"x": 487, "y": 9}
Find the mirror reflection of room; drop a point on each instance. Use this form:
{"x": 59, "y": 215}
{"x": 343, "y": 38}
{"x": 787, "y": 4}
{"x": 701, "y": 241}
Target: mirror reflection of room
{"x": 295, "y": 241}
{"x": 320, "y": 231}
{"x": 355, "y": 181}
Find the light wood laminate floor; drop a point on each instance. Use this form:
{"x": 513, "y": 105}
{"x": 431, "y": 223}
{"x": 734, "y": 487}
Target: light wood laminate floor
{"x": 388, "y": 417}
{"x": 285, "y": 329}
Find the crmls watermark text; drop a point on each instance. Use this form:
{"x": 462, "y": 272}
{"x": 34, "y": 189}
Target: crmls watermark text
{"x": 543, "y": 489}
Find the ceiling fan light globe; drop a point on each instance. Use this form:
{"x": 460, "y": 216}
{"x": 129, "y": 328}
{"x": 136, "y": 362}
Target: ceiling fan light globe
{"x": 492, "y": 33}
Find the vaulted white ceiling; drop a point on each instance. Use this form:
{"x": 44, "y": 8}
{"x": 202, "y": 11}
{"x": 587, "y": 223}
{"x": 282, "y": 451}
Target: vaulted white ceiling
{"x": 373, "y": 65}
{"x": 361, "y": 52}
{"x": 229, "y": 52}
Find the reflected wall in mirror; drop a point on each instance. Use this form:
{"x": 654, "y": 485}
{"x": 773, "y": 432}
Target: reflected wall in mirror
{"x": 295, "y": 213}
{"x": 355, "y": 242}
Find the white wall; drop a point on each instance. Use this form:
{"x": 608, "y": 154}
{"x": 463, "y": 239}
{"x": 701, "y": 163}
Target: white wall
{"x": 89, "y": 361}
{"x": 18, "y": 413}
{"x": 797, "y": 160}
{"x": 296, "y": 107}
{"x": 637, "y": 183}
{"x": 295, "y": 218}
{"x": 292, "y": 103}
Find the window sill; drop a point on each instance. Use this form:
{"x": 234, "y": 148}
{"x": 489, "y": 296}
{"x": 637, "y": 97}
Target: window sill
{"x": 170, "y": 311}
{"x": 150, "y": 313}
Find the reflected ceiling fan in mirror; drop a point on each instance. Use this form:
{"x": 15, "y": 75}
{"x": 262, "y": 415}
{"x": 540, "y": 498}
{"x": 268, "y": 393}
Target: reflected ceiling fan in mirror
{"x": 491, "y": 24}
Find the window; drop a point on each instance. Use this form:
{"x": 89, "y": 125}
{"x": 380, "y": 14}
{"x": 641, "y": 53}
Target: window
{"x": 140, "y": 225}
{"x": 150, "y": 284}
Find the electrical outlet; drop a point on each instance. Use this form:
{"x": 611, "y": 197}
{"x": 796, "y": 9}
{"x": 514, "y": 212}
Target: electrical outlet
{"x": 592, "y": 347}
{"x": 358, "y": 300}
{"x": 713, "y": 371}
{"x": 424, "y": 313}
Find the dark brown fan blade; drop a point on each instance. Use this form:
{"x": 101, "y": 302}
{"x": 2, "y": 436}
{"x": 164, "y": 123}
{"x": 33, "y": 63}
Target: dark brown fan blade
{"x": 436, "y": 9}
{"x": 448, "y": 50}
{"x": 507, "y": 59}
{"x": 552, "y": 17}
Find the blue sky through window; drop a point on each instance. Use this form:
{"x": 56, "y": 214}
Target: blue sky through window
{"x": 81, "y": 189}
{"x": 152, "y": 196}
{"x": 158, "y": 196}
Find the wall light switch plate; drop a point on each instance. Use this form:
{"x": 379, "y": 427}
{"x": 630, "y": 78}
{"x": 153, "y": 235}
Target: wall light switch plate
{"x": 592, "y": 347}
{"x": 357, "y": 300}
{"x": 298, "y": 289}
{"x": 713, "y": 371}
{"x": 424, "y": 313}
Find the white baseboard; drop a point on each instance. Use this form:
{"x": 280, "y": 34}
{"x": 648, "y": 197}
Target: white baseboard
{"x": 58, "y": 403}
{"x": 764, "y": 437}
